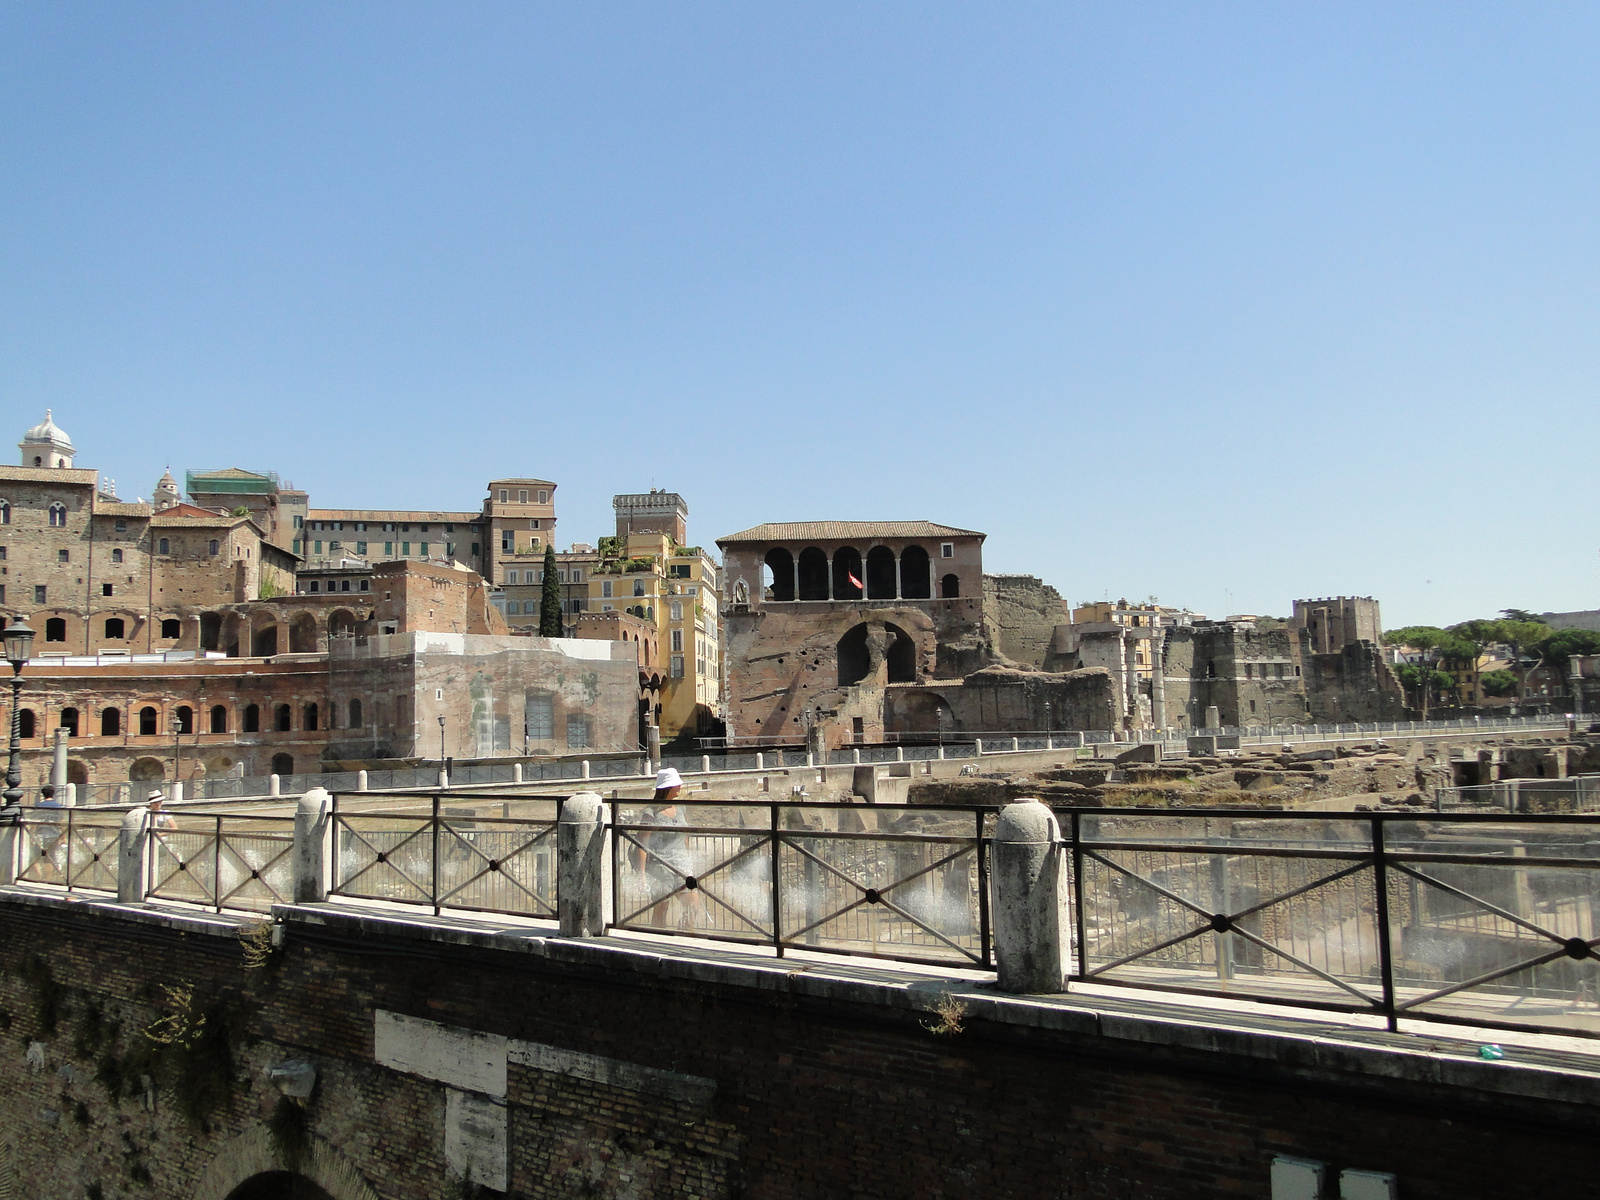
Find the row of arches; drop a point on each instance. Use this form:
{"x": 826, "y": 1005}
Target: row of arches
{"x": 880, "y": 576}
{"x": 146, "y": 720}
{"x": 259, "y": 636}
{"x": 154, "y": 770}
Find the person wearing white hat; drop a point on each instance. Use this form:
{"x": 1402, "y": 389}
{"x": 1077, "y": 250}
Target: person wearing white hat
{"x": 664, "y": 858}
{"x": 159, "y": 817}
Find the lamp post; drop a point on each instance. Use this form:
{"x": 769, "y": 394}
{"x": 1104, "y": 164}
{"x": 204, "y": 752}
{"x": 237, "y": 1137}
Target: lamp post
{"x": 19, "y": 645}
{"x": 441, "y": 737}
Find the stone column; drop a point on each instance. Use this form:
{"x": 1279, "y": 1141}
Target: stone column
{"x": 583, "y": 868}
{"x": 58, "y": 761}
{"x": 133, "y": 856}
{"x": 1032, "y": 925}
{"x": 313, "y": 847}
{"x": 654, "y": 745}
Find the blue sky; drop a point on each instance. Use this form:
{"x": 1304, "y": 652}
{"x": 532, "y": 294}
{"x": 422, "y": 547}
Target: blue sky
{"x": 1227, "y": 303}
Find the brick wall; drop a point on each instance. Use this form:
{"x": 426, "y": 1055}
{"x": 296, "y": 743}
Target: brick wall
{"x": 816, "y": 1094}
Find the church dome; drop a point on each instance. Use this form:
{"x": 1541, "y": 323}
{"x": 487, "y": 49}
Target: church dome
{"x": 48, "y": 433}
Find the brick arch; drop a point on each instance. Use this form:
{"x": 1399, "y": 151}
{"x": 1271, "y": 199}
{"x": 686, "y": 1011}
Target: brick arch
{"x": 252, "y": 1153}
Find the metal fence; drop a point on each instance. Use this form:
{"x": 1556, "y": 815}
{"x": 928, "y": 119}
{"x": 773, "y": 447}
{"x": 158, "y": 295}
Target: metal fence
{"x": 483, "y": 853}
{"x": 219, "y": 860}
{"x": 69, "y": 849}
{"x": 1575, "y": 794}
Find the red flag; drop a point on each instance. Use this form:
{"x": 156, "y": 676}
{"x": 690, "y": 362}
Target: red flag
{"x": 854, "y": 580}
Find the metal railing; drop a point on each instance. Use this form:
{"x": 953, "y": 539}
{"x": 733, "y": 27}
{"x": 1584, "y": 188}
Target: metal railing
{"x": 456, "y": 851}
{"x": 1574, "y": 794}
{"x": 885, "y": 882}
{"x": 1481, "y": 918}
{"x": 219, "y": 860}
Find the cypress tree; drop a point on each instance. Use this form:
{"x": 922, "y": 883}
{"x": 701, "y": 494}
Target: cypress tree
{"x": 550, "y": 597}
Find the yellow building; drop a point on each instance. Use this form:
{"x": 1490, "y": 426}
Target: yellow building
{"x": 676, "y": 588}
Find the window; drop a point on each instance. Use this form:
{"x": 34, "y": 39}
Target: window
{"x": 116, "y": 556}
{"x": 533, "y": 524}
{"x": 475, "y": 550}
{"x": 947, "y": 549}
{"x": 147, "y": 721}
{"x": 388, "y": 549}
{"x": 677, "y": 666}
{"x": 681, "y": 570}
{"x": 2, "y": 593}
{"x": 252, "y": 718}
{"x": 121, "y": 526}
{"x": 283, "y": 718}
{"x": 2, "y": 554}
{"x": 110, "y": 722}
{"x": 513, "y": 577}
{"x": 677, "y": 639}
{"x": 366, "y": 585}
{"x": 522, "y": 496}
{"x": 55, "y": 629}
{"x": 69, "y": 721}
{"x": 311, "y": 717}
{"x": 105, "y": 589}
{"x": 422, "y": 548}
{"x": 163, "y": 547}
{"x": 115, "y": 629}
{"x": 638, "y": 587}
{"x": 577, "y": 732}
{"x": 5, "y": 512}
{"x": 344, "y": 585}
{"x": 503, "y": 493}
{"x": 213, "y": 547}
{"x": 335, "y": 547}
{"x": 299, "y": 522}
{"x": 316, "y": 547}
{"x": 355, "y": 714}
{"x": 25, "y": 723}
{"x": 39, "y": 594}
{"x": 295, "y": 545}
{"x": 507, "y": 543}
{"x": 423, "y": 528}
{"x": 538, "y": 713}
{"x": 405, "y": 549}
{"x": 315, "y": 586}
{"x": 185, "y": 716}
{"x": 605, "y": 608}
{"x": 449, "y": 528}
{"x": 63, "y": 556}
{"x": 361, "y": 547}
{"x": 577, "y": 574}
{"x": 219, "y": 718}
{"x": 58, "y": 514}
{"x": 677, "y": 610}
{"x": 605, "y": 588}
{"x": 544, "y": 497}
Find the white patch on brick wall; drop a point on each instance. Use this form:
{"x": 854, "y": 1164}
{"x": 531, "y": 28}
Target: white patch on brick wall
{"x": 690, "y": 1089}
{"x": 475, "y": 1139}
{"x": 462, "y": 1058}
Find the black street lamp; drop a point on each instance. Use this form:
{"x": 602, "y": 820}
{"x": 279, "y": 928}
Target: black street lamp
{"x": 19, "y": 645}
{"x": 441, "y": 738}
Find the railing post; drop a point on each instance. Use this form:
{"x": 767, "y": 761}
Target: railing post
{"x": 1380, "y": 871}
{"x": 1031, "y": 917}
{"x": 133, "y": 859}
{"x": 10, "y": 849}
{"x": 777, "y": 886}
{"x": 583, "y": 860}
{"x": 313, "y": 847}
{"x": 985, "y": 940}
{"x": 216, "y": 866}
{"x": 435, "y": 855}
{"x": 977, "y": 747}
{"x": 1080, "y": 955}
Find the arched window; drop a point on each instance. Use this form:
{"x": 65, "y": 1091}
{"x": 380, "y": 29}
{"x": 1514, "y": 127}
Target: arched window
{"x": 813, "y": 574}
{"x": 147, "y": 721}
{"x": 58, "y": 514}
{"x": 55, "y": 629}
{"x": 781, "y": 564}
{"x": 115, "y": 628}
{"x": 213, "y": 547}
{"x": 950, "y": 587}
{"x": 915, "y": 579}
{"x": 69, "y": 721}
{"x": 185, "y": 716}
{"x": 638, "y": 587}
{"x": 847, "y": 573}
{"x": 284, "y": 718}
{"x": 880, "y": 573}
{"x": 163, "y": 547}
{"x": 110, "y": 722}
{"x": 252, "y": 718}
{"x": 5, "y": 512}
{"x": 171, "y": 628}
{"x": 25, "y": 723}
{"x": 283, "y": 764}
{"x": 355, "y": 714}
{"x": 219, "y": 718}
{"x": 311, "y": 716}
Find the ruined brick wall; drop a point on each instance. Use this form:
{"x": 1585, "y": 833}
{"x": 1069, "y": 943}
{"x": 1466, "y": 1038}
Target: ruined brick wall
{"x": 1354, "y": 684}
{"x": 1020, "y": 616}
{"x": 1253, "y": 675}
{"x": 1004, "y": 699}
{"x": 801, "y": 1094}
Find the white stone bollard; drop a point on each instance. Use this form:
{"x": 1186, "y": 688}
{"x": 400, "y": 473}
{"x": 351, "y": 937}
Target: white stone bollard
{"x": 70, "y": 798}
{"x": 977, "y": 747}
{"x": 361, "y": 781}
{"x": 583, "y": 769}
{"x": 273, "y": 785}
{"x": 516, "y": 772}
{"x": 1014, "y": 745}
{"x": 583, "y": 868}
{"x": 313, "y": 846}
{"x": 705, "y": 764}
{"x": 176, "y": 795}
{"x": 761, "y": 761}
{"x": 899, "y": 754}
{"x": 133, "y": 857}
{"x": 855, "y": 757}
{"x": 941, "y": 751}
{"x": 1032, "y": 921}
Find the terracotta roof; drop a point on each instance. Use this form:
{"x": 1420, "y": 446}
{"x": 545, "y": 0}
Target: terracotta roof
{"x": 73, "y": 475}
{"x": 189, "y": 515}
{"x": 228, "y": 473}
{"x": 844, "y": 531}
{"x": 120, "y": 508}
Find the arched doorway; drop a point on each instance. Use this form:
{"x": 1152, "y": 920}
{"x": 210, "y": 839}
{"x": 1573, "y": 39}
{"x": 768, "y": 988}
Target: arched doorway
{"x": 880, "y": 573}
{"x": 303, "y": 634}
{"x": 813, "y": 574}
{"x": 915, "y": 578}
{"x": 847, "y": 573}
{"x": 780, "y": 584}
{"x": 950, "y": 587}
{"x": 278, "y": 1185}
{"x": 147, "y": 770}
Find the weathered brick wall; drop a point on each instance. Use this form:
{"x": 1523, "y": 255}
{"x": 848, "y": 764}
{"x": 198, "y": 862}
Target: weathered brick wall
{"x": 815, "y": 1094}
{"x": 1020, "y": 615}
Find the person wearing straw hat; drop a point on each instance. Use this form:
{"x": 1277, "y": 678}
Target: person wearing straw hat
{"x": 159, "y": 817}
